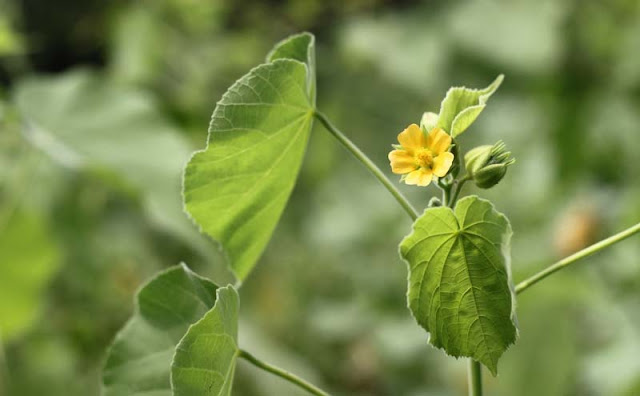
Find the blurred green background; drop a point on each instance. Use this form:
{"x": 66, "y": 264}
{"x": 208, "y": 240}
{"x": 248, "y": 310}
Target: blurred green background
{"x": 101, "y": 104}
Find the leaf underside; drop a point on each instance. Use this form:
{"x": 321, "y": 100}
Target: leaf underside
{"x": 237, "y": 188}
{"x": 460, "y": 288}
{"x": 139, "y": 361}
{"x": 205, "y": 359}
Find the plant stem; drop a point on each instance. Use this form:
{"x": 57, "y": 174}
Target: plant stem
{"x": 348, "y": 144}
{"x": 282, "y": 374}
{"x": 458, "y": 188}
{"x": 446, "y": 191}
{"x": 475, "y": 378}
{"x": 522, "y": 286}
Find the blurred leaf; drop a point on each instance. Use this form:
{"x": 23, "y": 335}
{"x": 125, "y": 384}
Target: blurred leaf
{"x": 237, "y": 188}
{"x": 463, "y": 105}
{"x": 28, "y": 259}
{"x": 87, "y": 122}
{"x": 205, "y": 359}
{"x": 459, "y": 279}
{"x": 139, "y": 362}
{"x": 11, "y": 42}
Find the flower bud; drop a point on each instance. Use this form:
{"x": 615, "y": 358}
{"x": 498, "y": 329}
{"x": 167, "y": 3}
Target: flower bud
{"x": 428, "y": 121}
{"x": 488, "y": 164}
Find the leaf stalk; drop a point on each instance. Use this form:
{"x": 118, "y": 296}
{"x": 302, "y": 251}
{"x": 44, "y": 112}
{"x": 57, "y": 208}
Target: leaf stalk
{"x": 362, "y": 157}
{"x": 314, "y": 390}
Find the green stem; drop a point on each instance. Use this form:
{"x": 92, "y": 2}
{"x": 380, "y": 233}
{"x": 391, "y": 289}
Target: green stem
{"x": 446, "y": 196}
{"x": 348, "y": 144}
{"x": 446, "y": 191}
{"x": 282, "y": 374}
{"x": 475, "y": 378}
{"x": 522, "y": 286}
{"x": 457, "y": 189}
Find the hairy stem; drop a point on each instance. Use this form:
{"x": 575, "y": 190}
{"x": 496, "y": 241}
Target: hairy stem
{"x": 348, "y": 144}
{"x": 596, "y": 247}
{"x": 314, "y": 390}
{"x": 475, "y": 378}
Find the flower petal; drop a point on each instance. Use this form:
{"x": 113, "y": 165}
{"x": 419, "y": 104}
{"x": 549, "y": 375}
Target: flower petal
{"x": 412, "y": 138}
{"x": 438, "y": 141}
{"x": 442, "y": 164}
{"x": 421, "y": 177}
{"x": 401, "y": 162}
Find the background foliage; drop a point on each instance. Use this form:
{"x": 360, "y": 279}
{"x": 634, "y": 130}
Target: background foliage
{"x": 90, "y": 166}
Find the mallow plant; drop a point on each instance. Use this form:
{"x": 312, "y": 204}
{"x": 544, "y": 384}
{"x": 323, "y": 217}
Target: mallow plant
{"x": 182, "y": 339}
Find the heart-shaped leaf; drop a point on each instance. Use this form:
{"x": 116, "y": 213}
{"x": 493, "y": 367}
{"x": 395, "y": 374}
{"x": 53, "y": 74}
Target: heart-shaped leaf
{"x": 237, "y": 188}
{"x": 460, "y": 287}
{"x": 205, "y": 359}
{"x": 461, "y": 106}
{"x": 139, "y": 361}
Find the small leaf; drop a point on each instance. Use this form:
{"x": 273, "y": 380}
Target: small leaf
{"x": 139, "y": 361}
{"x": 460, "y": 287}
{"x": 461, "y": 106}
{"x": 205, "y": 359}
{"x": 237, "y": 188}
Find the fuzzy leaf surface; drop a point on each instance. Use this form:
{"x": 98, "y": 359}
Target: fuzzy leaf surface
{"x": 460, "y": 287}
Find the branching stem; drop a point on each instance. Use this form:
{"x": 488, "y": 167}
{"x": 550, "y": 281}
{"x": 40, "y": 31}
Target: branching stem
{"x": 586, "y": 252}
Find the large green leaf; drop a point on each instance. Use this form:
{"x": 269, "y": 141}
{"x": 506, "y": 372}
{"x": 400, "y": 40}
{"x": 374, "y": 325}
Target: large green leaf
{"x": 461, "y": 106}
{"x": 460, "y": 287}
{"x": 205, "y": 359}
{"x": 237, "y": 188}
{"x": 87, "y": 122}
{"x": 139, "y": 362}
{"x": 28, "y": 259}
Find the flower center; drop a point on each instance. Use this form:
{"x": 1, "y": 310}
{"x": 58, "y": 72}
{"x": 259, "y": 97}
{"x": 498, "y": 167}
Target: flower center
{"x": 424, "y": 158}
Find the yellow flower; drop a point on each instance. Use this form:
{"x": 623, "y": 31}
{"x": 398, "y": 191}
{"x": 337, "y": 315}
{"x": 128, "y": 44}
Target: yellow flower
{"x": 421, "y": 156}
